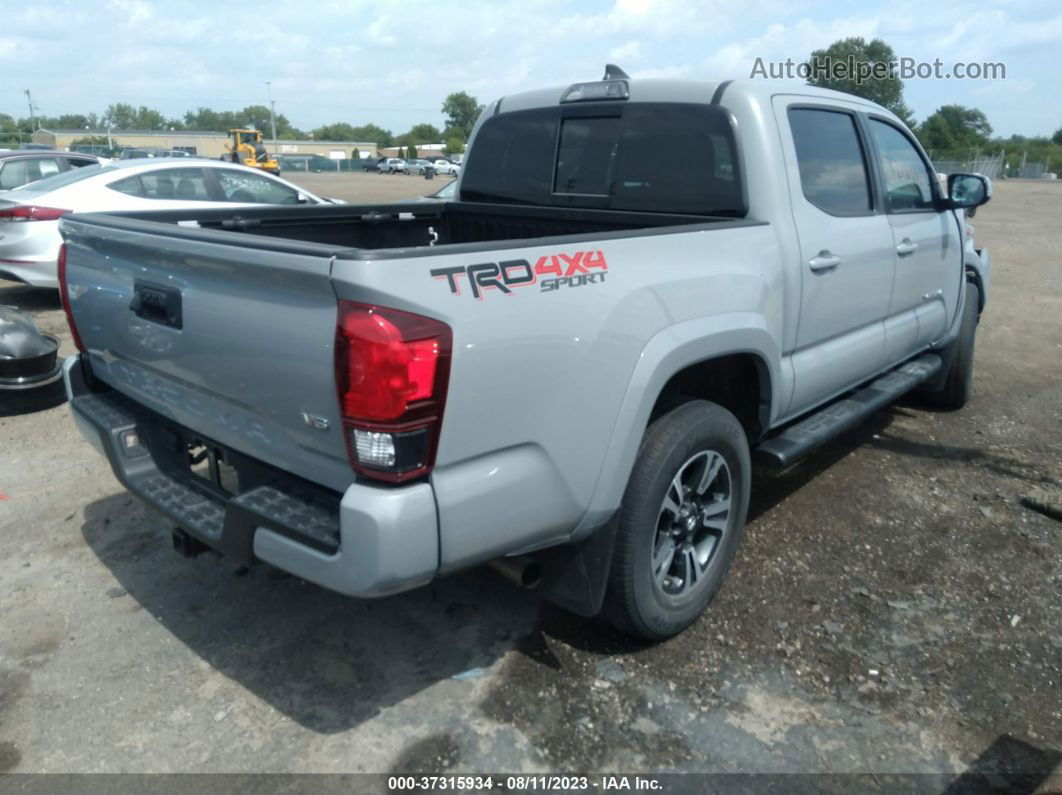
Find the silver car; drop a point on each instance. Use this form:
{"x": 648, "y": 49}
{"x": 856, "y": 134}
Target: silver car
{"x": 447, "y": 167}
{"x": 393, "y": 165}
{"x": 29, "y": 216}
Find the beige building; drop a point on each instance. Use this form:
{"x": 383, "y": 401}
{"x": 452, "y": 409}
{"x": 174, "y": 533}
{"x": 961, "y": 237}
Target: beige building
{"x": 200, "y": 143}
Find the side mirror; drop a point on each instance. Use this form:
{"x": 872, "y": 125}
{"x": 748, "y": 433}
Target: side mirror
{"x": 968, "y": 190}
{"x": 302, "y": 199}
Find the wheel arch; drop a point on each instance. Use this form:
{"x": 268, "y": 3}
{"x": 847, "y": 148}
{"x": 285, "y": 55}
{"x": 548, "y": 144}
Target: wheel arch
{"x": 701, "y": 351}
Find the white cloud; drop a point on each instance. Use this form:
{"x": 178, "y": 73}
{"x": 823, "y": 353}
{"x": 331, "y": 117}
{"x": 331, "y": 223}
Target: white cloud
{"x": 136, "y": 12}
{"x": 664, "y": 71}
{"x": 628, "y": 51}
{"x": 362, "y": 60}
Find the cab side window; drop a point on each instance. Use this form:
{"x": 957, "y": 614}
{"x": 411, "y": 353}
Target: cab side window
{"x": 908, "y": 181}
{"x": 833, "y": 168}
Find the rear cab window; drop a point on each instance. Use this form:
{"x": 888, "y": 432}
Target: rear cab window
{"x": 648, "y": 157}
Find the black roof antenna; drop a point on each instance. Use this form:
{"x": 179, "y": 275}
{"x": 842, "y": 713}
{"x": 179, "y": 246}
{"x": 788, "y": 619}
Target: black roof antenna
{"x": 613, "y": 72}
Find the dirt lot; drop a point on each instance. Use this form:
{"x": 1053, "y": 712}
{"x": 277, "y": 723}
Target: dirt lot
{"x": 367, "y": 186}
{"x": 894, "y": 607}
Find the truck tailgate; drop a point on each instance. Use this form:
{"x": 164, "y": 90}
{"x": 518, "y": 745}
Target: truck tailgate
{"x": 231, "y": 341}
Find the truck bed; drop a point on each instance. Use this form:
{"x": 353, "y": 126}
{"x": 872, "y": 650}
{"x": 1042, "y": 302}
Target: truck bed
{"x": 402, "y": 226}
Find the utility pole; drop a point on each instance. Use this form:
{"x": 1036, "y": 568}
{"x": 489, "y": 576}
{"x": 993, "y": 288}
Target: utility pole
{"x": 33, "y": 119}
{"x": 272, "y": 114}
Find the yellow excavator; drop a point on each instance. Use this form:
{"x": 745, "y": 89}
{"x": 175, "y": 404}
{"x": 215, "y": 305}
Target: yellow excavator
{"x": 247, "y": 149}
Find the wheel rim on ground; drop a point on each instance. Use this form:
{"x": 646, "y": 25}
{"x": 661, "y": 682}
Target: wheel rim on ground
{"x": 691, "y": 523}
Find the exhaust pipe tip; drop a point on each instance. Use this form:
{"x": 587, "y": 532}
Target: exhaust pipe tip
{"x": 523, "y": 571}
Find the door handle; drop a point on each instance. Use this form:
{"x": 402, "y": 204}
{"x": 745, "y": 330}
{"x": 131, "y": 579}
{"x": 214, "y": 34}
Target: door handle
{"x": 824, "y": 262}
{"x": 906, "y": 246}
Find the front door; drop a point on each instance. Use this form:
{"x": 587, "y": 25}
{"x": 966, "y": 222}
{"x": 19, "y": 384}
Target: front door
{"x": 929, "y": 258}
{"x": 847, "y": 257}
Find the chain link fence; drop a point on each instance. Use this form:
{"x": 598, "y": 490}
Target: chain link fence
{"x": 991, "y": 167}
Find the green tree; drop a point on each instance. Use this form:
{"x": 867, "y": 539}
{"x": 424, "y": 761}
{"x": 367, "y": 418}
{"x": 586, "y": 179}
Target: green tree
{"x": 90, "y": 140}
{"x": 411, "y": 151}
{"x": 1057, "y": 137}
{"x": 78, "y": 121}
{"x": 454, "y": 146}
{"x": 886, "y": 90}
{"x": 258, "y": 117}
{"x": 954, "y": 128}
{"x": 935, "y": 135}
{"x": 340, "y": 131}
{"x": 123, "y": 116}
{"x": 98, "y": 143}
{"x": 212, "y": 120}
{"x": 461, "y": 111}
{"x": 424, "y": 134}
{"x": 10, "y": 132}
{"x": 372, "y": 133}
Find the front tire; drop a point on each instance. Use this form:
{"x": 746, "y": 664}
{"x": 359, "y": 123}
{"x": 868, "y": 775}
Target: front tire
{"x": 680, "y": 520}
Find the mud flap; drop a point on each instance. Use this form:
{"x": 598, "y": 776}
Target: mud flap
{"x": 575, "y": 576}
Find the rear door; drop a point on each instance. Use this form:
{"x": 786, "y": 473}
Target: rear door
{"x": 929, "y": 271}
{"x": 846, "y": 260}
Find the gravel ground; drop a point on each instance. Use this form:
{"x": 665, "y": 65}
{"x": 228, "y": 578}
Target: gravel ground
{"x": 367, "y": 186}
{"x": 894, "y": 607}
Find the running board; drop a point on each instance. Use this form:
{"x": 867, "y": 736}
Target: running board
{"x": 800, "y": 439}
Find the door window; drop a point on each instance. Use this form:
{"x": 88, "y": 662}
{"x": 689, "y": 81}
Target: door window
{"x": 80, "y": 162}
{"x": 173, "y": 184}
{"x": 908, "y": 182}
{"x": 833, "y": 169}
{"x": 239, "y": 186}
{"x": 21, "y": 171}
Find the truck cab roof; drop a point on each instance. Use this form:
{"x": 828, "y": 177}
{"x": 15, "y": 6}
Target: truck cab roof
{"x": 682, "y": 91}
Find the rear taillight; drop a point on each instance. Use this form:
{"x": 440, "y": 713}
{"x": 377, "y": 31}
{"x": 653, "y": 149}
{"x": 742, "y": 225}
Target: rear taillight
{"x": 392, "y": 371}
{"x": 64, "y": 296}
{"x": 31, "y": 212}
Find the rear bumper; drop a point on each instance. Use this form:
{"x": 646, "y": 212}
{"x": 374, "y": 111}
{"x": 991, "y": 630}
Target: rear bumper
{"x": 36, "y": 273}
{"x": 369, "y": 541}
{"x": 28, "y": 252}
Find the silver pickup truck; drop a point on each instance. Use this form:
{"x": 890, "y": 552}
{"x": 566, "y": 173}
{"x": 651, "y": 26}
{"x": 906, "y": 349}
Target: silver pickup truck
{"x": 642, "y": 288}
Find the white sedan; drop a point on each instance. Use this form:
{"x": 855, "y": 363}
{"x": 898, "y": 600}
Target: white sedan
{"x": 29, "y": 216}
{"x": 447, "y": 167}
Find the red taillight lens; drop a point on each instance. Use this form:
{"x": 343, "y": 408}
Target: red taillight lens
{"x": 31, "y": 212}
{"x": 392, "y": 371}
{"x": 64, "y": 297}
{"x": 386, "y": 370}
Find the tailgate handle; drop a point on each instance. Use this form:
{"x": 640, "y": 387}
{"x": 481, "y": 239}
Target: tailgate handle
{"x": 158, "y": 303}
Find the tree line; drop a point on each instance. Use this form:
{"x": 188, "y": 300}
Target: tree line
{"x": 952, "y": 132}
{"x": 460, "y": 109}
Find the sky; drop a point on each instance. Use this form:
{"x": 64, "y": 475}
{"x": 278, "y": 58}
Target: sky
{"x": 393, "y": 63}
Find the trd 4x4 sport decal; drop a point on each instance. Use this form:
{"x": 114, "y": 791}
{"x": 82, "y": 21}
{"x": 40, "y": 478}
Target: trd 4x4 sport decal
{"x": 552, "y": 272}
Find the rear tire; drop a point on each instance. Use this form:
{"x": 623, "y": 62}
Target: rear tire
{"x": 680, "y": 520}
{"x": 958, "y": 384}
